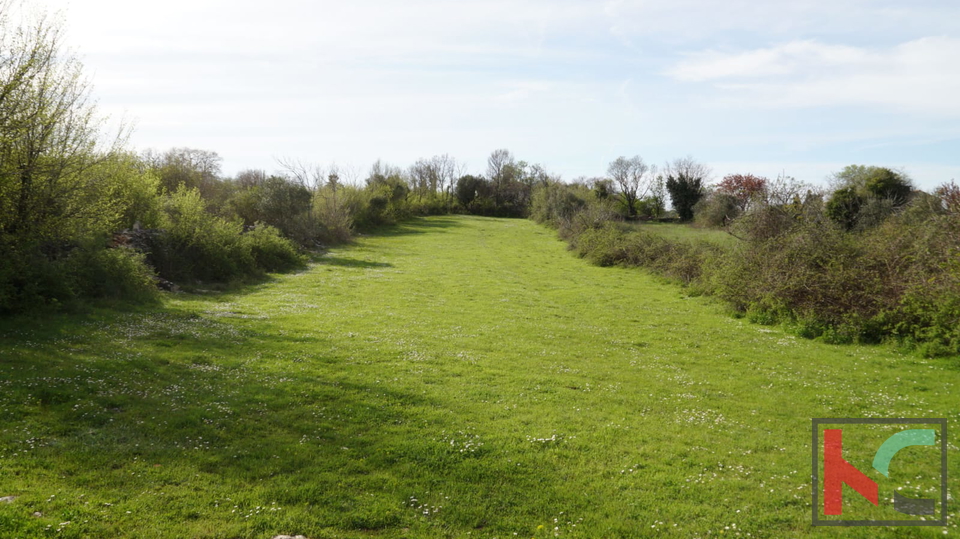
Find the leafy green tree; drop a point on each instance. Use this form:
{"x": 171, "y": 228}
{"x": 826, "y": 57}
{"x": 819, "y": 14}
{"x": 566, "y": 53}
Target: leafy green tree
{"x": 63, "y": 185}
{"x": 658, "y": 196}
{"x": 49, "y": 134}
{"x": 388, "y": 190}
{"x": 602, "y": 188}
{"x": 844, "y": 207}
{"x": 885, "y": 183}
{"x": 875, "y": 181}
{"x": 685, "y": 183}
{"x": 864, "y": 196}
{"x": 470, "y": 188}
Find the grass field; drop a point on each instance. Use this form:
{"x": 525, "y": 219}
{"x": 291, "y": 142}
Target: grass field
{"x": 684, "y": 231}
{"x": 453, "y": 377}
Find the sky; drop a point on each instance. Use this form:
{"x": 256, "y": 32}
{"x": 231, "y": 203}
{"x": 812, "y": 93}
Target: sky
{"x": 799, "y": 87}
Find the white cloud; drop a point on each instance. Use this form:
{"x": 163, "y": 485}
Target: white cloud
{"x": 339, "y": 32}
{"x": 916, "y": 76}
{"x": 680, "y": 21}
{"x": 791, "y": 58}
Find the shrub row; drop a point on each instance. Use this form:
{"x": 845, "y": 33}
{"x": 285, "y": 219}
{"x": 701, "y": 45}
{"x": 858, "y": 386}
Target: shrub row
{"x": 899, "y": 281}
{"x": 192, "y": 245}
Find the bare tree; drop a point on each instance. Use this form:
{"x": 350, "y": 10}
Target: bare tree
{"x": 446, "y": 170}
{"x": 629, "y": 177}
{"x": 688, "y": 167}
{"x": 434, "y": 176}
{"x": 423, "y": 178}
{"x": 498, "y": 165}
{"x": 309, "y": 175}
{"x": 250, "y": 178}
{"x": 380, "y": 172}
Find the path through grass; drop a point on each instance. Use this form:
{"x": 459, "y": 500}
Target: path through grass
{"x": 454, "y": 377}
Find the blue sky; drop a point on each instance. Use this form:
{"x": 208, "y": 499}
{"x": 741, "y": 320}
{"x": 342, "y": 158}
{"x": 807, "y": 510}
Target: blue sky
{"x": 803, "y": 87}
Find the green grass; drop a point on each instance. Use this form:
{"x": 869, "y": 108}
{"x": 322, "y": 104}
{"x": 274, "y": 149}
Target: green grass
{"x": 686, "y": 232}
{"x": 452, "y": 377}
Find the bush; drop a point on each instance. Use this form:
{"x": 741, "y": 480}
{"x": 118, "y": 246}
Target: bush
{"x": 844, "y": 207}
{"x": 199, "y": 246}
{"x": 32, "y": 279}
{"x": 337, "y": 210}
{"x": 97, "y": 272}
{"x": 29, "y": 279}
{"x": 270, "y": 251}
{"x": 554, "y": 202}
{"x": 716, "y": 210}
{"x": 603, "y": 246}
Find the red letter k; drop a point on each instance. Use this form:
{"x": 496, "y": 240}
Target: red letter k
{"x": 837, "y": 471}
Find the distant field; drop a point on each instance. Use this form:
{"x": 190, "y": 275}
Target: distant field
{"x": 454, "y": 377}
{"x": 678, "y": 231}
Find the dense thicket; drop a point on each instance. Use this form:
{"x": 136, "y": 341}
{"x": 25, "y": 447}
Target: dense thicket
{"x": 886, "y": 269}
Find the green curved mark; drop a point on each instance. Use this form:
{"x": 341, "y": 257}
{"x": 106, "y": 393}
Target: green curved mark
{"x": 906, "y": 438}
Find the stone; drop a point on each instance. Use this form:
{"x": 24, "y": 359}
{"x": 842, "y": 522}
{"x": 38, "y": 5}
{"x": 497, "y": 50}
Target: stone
{"x": 8, "y": 499}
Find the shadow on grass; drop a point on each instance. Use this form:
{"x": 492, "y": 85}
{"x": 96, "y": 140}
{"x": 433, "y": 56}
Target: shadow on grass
{"x": 345, "y": 262}
{"x": 187, "y": 423}
{"x": 418, "y": 225}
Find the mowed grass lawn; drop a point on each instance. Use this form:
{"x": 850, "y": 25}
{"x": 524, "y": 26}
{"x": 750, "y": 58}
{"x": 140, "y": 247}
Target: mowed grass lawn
{"x": 453, "y": 377}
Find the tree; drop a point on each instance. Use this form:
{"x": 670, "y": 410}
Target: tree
{"x": 864, "y": 196}
{"x": 499, "y": 168}
{"x": 539, "y": 176}
{"x": 434, "y": 176}
{"x": 49, "y": 137}
{"x": 602, "y": 187}
{"x": 628, "y": 176}
{"x": 249, "y": 178}
{"x": 844, "y": 207}
{"x": 744, "y": 188}
{"x": 63, "y": 185}
{"x": 885, "y": 183}
{"x": 880, "y": 182}
{"x": 470, "y": 188}
{"x": 388, "y": 190}
{"x": 187, "y": 168}
{"x": 446, "y": 171}
{"x": 685, "y": 181}
{"x": 658, "y": 195}
{"x": 423, "y": 179}
{"x": 517, "y": 186}
{"x": 383, "y": 173}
